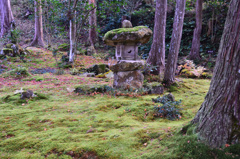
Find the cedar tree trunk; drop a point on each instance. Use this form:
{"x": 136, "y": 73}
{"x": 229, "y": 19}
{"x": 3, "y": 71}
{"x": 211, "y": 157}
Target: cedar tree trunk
{"x": 38, "y": 37}
{"x": 194, "y": 53}
{"x": 218, "y": 119}
{"x": 93, "y": 23}
{"x": 169, "y": 74}
{"x": 157, "y": 53}
{"x": 6, "y": 16}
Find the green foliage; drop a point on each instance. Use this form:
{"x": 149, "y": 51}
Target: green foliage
{"x": 14, "y": 36}
{"x": 170, "y": 109}
{"x": 18, "y": 72}
{"x": 64, "y": 47}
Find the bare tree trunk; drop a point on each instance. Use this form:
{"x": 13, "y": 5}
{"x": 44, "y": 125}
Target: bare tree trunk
{"x": 194, "y": 53}
{"x": 157, "y": 53}
{"x": 72, "y": 20}
{"x": 38, "y": 37}
{"x": 169, "y": 74}
{"x": 6, "y": 16}
{"x": 93, "y": 23}
{"x": 72, "y": 38}
{"x": 218, "y": 119}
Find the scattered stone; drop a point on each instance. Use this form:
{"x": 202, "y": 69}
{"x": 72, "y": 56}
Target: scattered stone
{"x": 154, "y": 88}
{"x": 70, "y": 90}
{"x": 87, "y": 75}
{"x": 27, "y": 94}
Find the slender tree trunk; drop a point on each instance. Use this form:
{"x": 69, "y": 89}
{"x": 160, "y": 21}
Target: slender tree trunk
{"x": 93, "y": 23}
{"x": 169, "y": 74}
{"x": 157, "y": 53}
{"x": 6, "y": 16}
{"x": 194, "y": 53}
{"x": 72, "y": 15}
{"x": 218, "y": 119}
{"x": 38, "y": 37}
{"x": 72, "y": 38}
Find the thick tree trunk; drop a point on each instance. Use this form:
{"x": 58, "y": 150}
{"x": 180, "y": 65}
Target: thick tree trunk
{"x": 93, "y": 23}
{"x": 169, "y": 74}
{"x": 157, "y": 53}
{"x": 218, "y": 119}
{"x": 194, "y": 53}
{"x": 6, "y": 16}
{"x": 38, "y": 37}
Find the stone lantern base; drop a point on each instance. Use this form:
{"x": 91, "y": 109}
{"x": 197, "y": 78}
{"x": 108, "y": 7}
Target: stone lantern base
{"x": 127, "y": 74}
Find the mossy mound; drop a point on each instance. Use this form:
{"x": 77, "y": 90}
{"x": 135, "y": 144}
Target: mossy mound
{"x": 139, "y": 34}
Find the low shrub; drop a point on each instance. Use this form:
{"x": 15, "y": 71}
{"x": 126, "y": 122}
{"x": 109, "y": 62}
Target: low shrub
{"x": 190, "y": 70}
{"x": 170, "y": 108}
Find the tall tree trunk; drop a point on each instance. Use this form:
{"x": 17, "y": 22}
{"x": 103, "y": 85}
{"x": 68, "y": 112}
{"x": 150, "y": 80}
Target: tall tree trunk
{"x": 157, "y": 53}
{"x": 72, "y": 15}
{"x": 6, "y": 16}
{"x": 169, "y": 74}
{"x": 72, "y": 38}
{"x": 194, "y": 53}
{"x": 218, "y": 119}
{"x": 93, "y": 23}
{"x": 38, "y": 37}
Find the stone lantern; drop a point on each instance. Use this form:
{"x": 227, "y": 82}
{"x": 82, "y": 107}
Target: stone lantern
{"x": 127, "y": 71}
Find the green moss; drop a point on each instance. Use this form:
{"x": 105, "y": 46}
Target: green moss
{"x": 112, "y": 33}
{"x": 18, "y": 72}
{"x": 9, "y": 45}
{"x": 112, "y": 127}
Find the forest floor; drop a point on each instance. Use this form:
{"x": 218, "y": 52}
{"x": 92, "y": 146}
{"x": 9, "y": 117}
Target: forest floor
{"x": 68, "y": 125}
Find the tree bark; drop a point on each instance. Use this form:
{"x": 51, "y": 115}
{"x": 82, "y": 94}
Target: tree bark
{"x": 157, "y": 53}
{"x": 169, "y": 74}
{"x": 194, "y": 53}
{"x": 38, "y": 37}
{"x": 218, "y": 119}
{"x": 72, "y": 31}
{"x": 93, "y": 23}
{"x": 6, "y": 16}
{"x": 72, "y": 38}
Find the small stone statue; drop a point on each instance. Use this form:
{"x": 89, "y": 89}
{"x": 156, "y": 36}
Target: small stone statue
{"x": 126, "y": 24}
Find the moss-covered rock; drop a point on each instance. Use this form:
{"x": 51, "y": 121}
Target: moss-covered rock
{"x": 139, "y": 34}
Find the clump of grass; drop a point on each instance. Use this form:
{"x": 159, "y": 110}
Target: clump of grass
{"x": 18, "y": 72}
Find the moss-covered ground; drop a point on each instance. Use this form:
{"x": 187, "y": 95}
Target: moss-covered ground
{"x": 67, "y": 125}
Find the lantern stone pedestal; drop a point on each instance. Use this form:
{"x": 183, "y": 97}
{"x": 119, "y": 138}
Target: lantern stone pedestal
{"x": 127, "y": 74}
{"x": 127, "y": 71}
